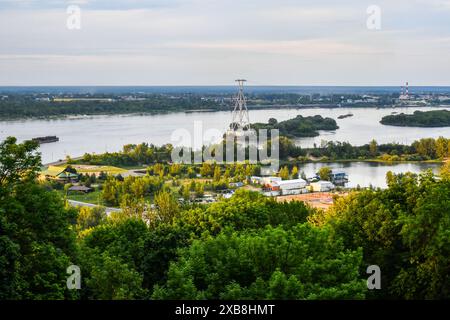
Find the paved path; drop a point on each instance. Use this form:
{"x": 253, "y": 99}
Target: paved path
{"x": 74, "y": 203}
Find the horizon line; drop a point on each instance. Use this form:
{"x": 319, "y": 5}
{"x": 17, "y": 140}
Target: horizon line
{"x": 216, "y": 85}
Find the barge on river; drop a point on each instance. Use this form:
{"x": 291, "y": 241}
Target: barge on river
{"x": 47, "y": 139}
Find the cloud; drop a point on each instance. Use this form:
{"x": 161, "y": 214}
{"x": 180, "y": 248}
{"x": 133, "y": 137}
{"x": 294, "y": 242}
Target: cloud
{"x": 185, "y": 41}
{"x": 88, "y": 4}
{"x": 436, "y": 4}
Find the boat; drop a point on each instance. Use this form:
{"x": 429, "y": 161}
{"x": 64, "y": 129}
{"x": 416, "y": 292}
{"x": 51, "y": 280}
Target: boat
{"x": 47, "y": 139}
{"x": 345, "y": 116}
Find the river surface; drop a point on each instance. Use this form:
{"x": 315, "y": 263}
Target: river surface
{"x": 98, "y": 134}
{"x": 365, "y": 174}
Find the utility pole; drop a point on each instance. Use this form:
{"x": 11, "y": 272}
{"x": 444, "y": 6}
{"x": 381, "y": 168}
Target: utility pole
{"x": 240, "y": 119}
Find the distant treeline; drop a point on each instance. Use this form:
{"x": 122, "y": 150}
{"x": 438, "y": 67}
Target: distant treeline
{"x": 421, "y": 150}
{"x": 435, "y": 118}
{"x": 18, "y": 108}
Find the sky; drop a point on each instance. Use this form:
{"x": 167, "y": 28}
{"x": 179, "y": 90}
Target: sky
{"x": 213, "y": 42}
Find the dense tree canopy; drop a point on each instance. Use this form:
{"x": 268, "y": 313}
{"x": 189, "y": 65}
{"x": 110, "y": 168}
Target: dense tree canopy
{"x": 271, "y": 263}
{"x": 299, "y": 126}
{"x": 245, "y": 247}
{"x": 36, "y": 235}
{"x": 434, "y": 118}
{"x": 404, "y": 229}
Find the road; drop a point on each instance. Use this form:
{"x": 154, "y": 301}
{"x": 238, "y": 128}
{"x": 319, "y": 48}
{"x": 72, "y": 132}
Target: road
{"x": 60, "y": 162}
{"x": 108, "y": 210}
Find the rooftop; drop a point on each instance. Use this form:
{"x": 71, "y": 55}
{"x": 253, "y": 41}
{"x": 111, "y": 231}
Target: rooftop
{"x": 80, "y": 188}
{"x": 285, "y": 182}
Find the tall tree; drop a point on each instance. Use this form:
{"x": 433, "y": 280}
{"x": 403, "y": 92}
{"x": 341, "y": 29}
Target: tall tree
{"x": 373, "y": 148}
{"x": 166, "y": 206}
{"x": 36, "y": 234}
{"x": 18, "y": 162}
{"x": 284, "y": 173}
{"x": 294, "y": 172}
{"x": 217, "y": 174}
{"x": 325, "y": 173}
{"x": 442, "y": 145}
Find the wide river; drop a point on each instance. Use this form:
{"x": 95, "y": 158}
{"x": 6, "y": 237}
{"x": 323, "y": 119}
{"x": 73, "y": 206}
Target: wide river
{"x": 98, "y": 134}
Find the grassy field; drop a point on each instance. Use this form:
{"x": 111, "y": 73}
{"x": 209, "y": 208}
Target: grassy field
{"x": 92, "y": 197}
{"x": 90, "y": 169}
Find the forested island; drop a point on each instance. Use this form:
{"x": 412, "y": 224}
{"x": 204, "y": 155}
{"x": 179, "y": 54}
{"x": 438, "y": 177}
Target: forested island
{"x": 429, "y": 119}
{"x": 300, "y": 126}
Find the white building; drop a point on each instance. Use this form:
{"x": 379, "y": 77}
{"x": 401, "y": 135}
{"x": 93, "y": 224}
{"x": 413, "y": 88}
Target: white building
{"x": 271, "y": 193}
{"x": 322, "y": 186}
{"x": 288, "y": 187}
{"x": 255, "y": 179}
{"x": 269, "y": 180}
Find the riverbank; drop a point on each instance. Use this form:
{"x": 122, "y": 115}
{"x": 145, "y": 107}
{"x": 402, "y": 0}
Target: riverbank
{"x": 100, "y": 134}
{"x": 428, "y": 119}
{"x": 75, "y": 116}
{"x": 437, "y": 161}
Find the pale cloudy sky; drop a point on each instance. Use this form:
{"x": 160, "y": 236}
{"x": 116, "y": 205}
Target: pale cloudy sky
{"x": 211, "y": 42}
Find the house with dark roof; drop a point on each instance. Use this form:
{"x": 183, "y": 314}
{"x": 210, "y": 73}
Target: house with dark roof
{"x": 80, "y": 189}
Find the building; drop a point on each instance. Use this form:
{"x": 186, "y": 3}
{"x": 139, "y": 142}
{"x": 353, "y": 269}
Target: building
{"x": 228, "y": 194}
{"x": 289, "y": 187}
{"x": 321, "y": 186}
{"x": 338, "y": 177}
{"x": 59, "y": 174}
{"x": 285, "y": 187}
{"x": 264, "y": 181}
{"x": 207, "y": 198}
{"x": 255, "y": 180}
{"x": 269, "y": 180}
{"x": 67, "y": 177}
{"x": 80, "y": 189}
{"x": 236, "y": 184}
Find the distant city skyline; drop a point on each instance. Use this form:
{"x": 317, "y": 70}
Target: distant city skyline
{"x": 198, "y": 42}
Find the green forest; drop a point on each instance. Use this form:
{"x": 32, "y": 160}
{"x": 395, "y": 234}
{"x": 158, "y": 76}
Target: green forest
{"x": 19, "y": 107}
{"x": 45, "y": 105}
{"x": 299, "y": 126}
{"x": 420, "y": 150}
{"x": 245, "y": 247}
{"x": 435, "y": 118}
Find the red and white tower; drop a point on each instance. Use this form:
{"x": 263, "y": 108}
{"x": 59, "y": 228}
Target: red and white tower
{"x": 404, "y": 94}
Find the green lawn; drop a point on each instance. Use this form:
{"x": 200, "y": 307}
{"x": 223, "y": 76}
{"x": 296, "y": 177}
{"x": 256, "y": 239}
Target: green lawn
{"x": 92, "y": 197}
{"x": 90, "y": 169}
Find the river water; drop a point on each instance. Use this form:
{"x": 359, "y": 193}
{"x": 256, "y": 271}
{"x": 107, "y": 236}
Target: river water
{"x": 99, "y": 134}
{"x": 365, "y": 174}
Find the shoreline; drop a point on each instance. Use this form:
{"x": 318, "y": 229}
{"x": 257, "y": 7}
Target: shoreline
{"x": 284, "y": 162}
{"x": 250, "y": 107}
{"x": 437, "y": 161}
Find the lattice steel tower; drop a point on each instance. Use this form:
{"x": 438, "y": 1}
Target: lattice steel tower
{"x": 239, "y": 119}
